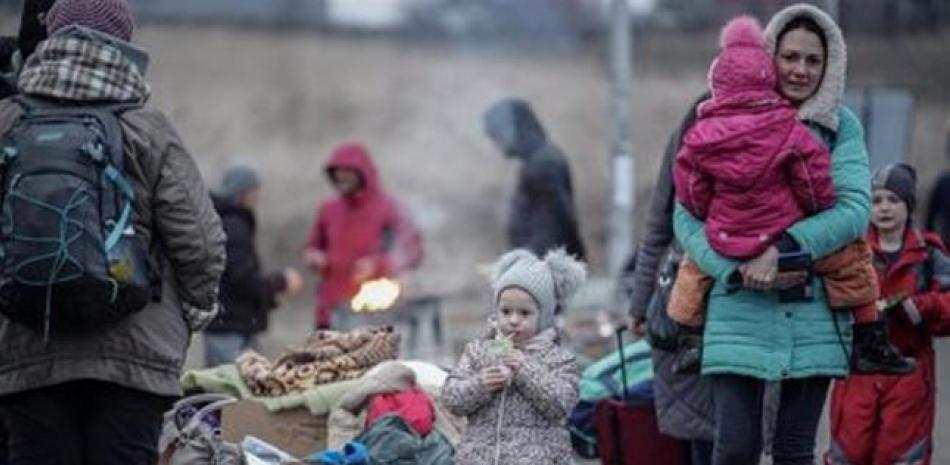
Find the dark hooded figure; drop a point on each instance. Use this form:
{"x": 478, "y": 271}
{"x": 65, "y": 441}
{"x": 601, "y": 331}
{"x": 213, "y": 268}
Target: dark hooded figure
{"x": 247, "y": 293}
{"x": 7, "y": 49}
{"x": 542, "y": 215}
{"x": 938, "y": 210}
{"x": 14, "y": 50}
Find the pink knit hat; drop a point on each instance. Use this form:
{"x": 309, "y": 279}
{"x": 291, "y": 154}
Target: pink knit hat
{"x": 743, "y": 64}
{"x": 113, "y": 17}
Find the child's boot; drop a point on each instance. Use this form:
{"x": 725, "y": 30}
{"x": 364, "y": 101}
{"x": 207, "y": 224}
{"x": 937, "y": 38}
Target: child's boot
{"x": 874, "y": 353}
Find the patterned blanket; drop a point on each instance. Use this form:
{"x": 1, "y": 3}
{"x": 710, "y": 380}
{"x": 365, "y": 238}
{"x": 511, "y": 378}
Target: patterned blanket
{"x": 326, "y": 357}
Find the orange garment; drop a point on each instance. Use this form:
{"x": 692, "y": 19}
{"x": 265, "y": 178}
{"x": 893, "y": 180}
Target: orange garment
{"x": 848, "y": 275}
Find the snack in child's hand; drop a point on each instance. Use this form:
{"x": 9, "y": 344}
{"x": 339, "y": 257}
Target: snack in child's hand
{"x": 888, "y": 303}
{"x": 501, "y": 343}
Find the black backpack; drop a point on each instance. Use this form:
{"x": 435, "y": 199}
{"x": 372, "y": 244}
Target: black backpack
{"x": 70, "y": 259}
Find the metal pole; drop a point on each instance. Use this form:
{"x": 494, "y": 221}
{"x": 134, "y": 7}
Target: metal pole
{"x": 622, "y": 180}
{"x": 831, "y": 7}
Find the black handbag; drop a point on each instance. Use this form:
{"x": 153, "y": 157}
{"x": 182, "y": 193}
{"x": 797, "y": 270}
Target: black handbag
{"x": 662, "y": 332}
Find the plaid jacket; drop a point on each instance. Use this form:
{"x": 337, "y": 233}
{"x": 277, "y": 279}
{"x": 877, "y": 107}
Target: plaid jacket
{"x": 73, "y": 66}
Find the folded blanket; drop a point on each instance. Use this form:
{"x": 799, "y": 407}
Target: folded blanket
{"x": 226, "y": 379}
{"x": 326, "y": 357}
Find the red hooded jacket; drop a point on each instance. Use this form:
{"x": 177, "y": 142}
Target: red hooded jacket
{"x": 367, "y": 224}
{"x": 413, "y": 405}
{"x": 903, "y": 277}
{"x": 751, "y": 169}
{"x": 884, "y": 419}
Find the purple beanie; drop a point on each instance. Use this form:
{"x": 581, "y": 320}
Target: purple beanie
{"x": 113, "y": 17}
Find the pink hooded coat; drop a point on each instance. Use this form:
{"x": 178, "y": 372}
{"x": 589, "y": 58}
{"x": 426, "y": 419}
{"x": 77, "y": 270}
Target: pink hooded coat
{"x": 748, "y": 166}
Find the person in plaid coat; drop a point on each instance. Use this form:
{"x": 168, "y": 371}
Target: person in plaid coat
{"x": 97, "y": 397}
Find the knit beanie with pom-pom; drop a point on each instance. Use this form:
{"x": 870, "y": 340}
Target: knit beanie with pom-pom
{"x": 551, "y": 281}
{"x": 743, "y": 64}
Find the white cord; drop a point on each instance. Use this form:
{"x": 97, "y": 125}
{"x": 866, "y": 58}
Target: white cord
{"x": 501, "y": 412}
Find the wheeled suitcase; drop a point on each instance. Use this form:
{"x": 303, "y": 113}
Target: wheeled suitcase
{"x": 627, "y": 432}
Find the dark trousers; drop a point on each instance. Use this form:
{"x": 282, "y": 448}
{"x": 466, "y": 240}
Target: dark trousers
{"x": 3, "y": 441}
{"x": 700, "y": 451}
{"x": 738, "y": 417}
{"x": 83, "y": 422}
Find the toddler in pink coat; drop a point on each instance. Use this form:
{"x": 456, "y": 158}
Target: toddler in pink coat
{"x": 750, "y": 169}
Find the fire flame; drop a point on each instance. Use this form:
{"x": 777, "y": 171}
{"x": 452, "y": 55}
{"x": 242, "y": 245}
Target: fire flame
{"x": 376, "y": 296}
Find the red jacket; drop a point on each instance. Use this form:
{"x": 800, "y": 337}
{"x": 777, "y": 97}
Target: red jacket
{"x": 902, "y": 277}
{"x": 888, "y": 418}
{"x": 751, "y": 169}
{"x": 413, "y": 405}
{"x": 367, "y": 224}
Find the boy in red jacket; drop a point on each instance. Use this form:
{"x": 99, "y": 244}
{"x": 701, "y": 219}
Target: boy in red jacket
{"x": 882, "y": 419}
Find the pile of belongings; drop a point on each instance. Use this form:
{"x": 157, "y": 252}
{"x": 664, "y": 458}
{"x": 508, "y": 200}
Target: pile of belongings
{"x": 326, "y": 357}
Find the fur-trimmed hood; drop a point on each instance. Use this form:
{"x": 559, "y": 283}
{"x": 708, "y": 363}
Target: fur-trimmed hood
{"x": 822, "y": 108}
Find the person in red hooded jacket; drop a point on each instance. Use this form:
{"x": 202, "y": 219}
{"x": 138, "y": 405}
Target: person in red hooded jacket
{"x": 884, "y": 419}
{"x": 359, "y": 234}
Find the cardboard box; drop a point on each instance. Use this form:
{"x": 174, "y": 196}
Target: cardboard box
{"x": 295, "y": 431}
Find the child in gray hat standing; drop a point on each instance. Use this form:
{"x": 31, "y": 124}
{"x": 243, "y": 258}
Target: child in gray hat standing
{"x": 517, "y": 385}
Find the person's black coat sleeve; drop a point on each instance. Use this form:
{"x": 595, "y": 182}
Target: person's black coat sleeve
{"x": 242, "y": 274}
{"x": 658, "y": 234}
{"x": 543, "y": 181}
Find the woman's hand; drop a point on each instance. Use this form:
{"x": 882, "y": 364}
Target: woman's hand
{"x": 760, "y": 272}
{"x": 294, "y": 281}
{"x": 363, "y": 269}
{"x": 789, "y": 279}
{"x": 638, "y": 327}
{"x": 315, "y": 259}
{"x": 495, "y": 378}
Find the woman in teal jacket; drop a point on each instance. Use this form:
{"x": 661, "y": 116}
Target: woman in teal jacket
{"x": 752, "y": 336}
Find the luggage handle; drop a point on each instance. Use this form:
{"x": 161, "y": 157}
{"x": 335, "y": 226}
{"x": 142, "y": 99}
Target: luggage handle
{"x": 623, "y": 366}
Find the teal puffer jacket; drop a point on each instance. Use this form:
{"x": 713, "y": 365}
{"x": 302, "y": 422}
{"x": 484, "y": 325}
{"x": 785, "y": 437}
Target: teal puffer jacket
{"x": 751, "y": 333}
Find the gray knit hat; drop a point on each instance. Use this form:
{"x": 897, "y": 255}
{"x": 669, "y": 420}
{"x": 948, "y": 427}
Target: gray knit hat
{"x": 551, "y": 281}
{"x": 899, "y": 178}
{"x": 238, "y": 180}
{"x": 113, "y": 17}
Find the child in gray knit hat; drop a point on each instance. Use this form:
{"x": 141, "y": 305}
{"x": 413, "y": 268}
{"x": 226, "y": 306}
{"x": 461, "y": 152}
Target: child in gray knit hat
{"x": 517, "y": 385}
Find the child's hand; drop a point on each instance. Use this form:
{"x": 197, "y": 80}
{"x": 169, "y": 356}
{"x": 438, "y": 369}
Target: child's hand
{"x": 495, "y": 378}
{"x": 315, "y": 260}
{"x": 513, "y": 359}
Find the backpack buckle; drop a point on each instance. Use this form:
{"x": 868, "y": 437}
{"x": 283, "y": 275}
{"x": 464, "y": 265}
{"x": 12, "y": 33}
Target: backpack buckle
{"x": 8, "y": 154}
{"x": 95, "y": 151}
